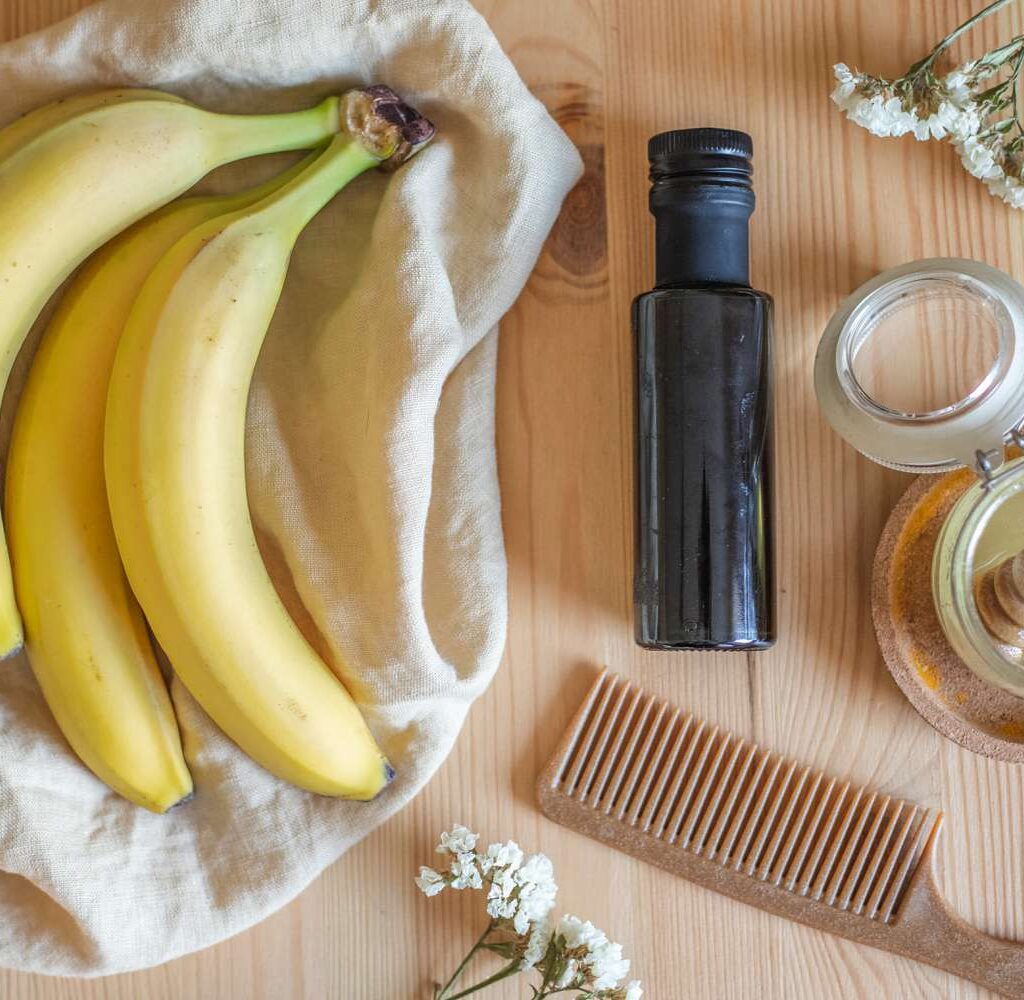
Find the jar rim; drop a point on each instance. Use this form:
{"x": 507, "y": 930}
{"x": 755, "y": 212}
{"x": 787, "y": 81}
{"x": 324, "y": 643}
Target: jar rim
{"x": 874, "y": 308}
{"x": 949, "y": 436}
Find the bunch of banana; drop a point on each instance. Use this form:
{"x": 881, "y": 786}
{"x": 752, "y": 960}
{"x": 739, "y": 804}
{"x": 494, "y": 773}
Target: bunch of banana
{"x": 146, "y": 368}
{"x": 84, "y": 632}
{"x": 174, "y": 454}
{"x": 77, "y": 173}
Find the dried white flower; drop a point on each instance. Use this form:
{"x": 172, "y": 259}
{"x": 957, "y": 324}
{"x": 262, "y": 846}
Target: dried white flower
{"x": 845, "y": 94}
{"x": 957, "y": 83}
{"x": 883, "y": 117}
{"x": 459, "y": 841}
{"x": 579, "y": 933}
{"x": 536, "y": 868}
{"x": 429, "y": 881}
{"x": 536, "y": 901}
{"x": 886, "y": 109}
{"x": 538, "y": 897}
{"x": 521, "y": 921}
{"x": 981, "y": 117}
{"x": 979, "y": 159}
{"x": 606, "y": 965}
{"x": 569, "y": 975}
{"x": 959, "y": 123}
{"x": 537, "y": 945}
{"x": 600, "y": 958}
{"x": 521, "y": 894}
{"x": 465, "y": 874}
{"x": 500, "y": 908}
{"x": 987, "y": 159}
{"x": 503, "y": 883}
{"x": 1009, "y": 188}
{"x": 870, "y": 103}
{"x": 507, "y": 855}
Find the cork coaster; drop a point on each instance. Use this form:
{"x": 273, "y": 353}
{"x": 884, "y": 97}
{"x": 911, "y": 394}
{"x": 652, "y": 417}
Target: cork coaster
{"x": 977, "y": 715}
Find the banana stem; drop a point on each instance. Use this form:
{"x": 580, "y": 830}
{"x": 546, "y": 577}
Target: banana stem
{"x": 367, "y": 127}
{"x": 299, "y": 200}
{"x": 374, "y": 127}
{"x": 239, "y": 136}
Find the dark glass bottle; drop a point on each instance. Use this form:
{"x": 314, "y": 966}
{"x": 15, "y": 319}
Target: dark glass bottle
{"x": 704, "y": 554}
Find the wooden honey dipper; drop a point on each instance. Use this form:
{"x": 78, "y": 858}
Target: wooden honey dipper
{"x": 999, "y": 595}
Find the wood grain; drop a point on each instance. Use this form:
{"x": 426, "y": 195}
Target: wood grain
{"x": 835, "y": 206}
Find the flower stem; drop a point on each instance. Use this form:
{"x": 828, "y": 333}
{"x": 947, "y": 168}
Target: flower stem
{"x": 547, "y": 965}
{"x": 1015, "y": 87}
{"x": 965, "y": 27}
{"x": 928, "y": 61}
{"x": 509, "y": 970}
{"x": 442, "y": 995}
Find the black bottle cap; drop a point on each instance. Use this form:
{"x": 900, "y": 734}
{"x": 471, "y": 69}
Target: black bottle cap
{"x": 702, "y": 194}
{"x": 702, "y": 155}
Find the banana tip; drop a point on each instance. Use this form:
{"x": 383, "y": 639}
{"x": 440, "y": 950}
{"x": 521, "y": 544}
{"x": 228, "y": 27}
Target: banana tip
{"x": 13, "y": 648}
{"x": 182, "y": 801}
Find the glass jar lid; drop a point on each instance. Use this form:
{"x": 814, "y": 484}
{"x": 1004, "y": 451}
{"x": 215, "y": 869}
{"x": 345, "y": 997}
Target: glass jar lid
{"x": 922, "y": 368}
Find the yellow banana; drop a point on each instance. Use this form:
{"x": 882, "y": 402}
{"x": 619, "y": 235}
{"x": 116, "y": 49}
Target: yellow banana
{"x": 20, "y": 131}
{"x": 174, "y": 456}
{"x": 84, "y": 633}
{"x": 72, "y": 187}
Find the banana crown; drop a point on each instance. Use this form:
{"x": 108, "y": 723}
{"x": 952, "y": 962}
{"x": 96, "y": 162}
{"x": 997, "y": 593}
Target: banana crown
{"x": 387, "y": 127}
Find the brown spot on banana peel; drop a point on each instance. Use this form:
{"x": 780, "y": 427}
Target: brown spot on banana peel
{"x": 390, "y": 129}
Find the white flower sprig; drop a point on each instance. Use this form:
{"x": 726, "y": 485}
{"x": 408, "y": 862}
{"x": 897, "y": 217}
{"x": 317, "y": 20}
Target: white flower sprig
{"x": 980, "y": 118}
{"x": 944, "y": 107}
{"x": 571, "y": 955}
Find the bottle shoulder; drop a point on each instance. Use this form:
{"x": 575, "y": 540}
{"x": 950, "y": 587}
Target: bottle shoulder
{"x": 691, "y": 292}
{"x": 738, "y": 303}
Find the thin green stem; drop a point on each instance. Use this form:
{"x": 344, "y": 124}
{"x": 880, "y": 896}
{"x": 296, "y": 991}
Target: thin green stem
{"x": 238, "y": 136}
{"x": 462, "y": 965}
{"x": 1015, "y": 86}
{"x": 509, "y": 970}
{"x": 963, "y": 29}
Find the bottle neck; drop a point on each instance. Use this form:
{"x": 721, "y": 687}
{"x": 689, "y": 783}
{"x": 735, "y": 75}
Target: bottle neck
{"x": 702, "y": 235}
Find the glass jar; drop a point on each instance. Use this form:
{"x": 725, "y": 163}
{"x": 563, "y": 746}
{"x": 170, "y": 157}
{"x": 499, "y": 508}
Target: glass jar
{"x": 922, "y": 370}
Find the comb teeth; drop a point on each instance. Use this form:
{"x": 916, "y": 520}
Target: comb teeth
{"x": 672, "y": 777}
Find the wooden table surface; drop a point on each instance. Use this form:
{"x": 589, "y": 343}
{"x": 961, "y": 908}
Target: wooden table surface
{"x": 835, "y": 206}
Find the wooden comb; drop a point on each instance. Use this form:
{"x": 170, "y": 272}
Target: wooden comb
{"x": 657, "y": 783}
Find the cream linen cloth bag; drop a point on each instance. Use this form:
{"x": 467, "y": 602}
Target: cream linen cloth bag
{"x": 370, "y": 452}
